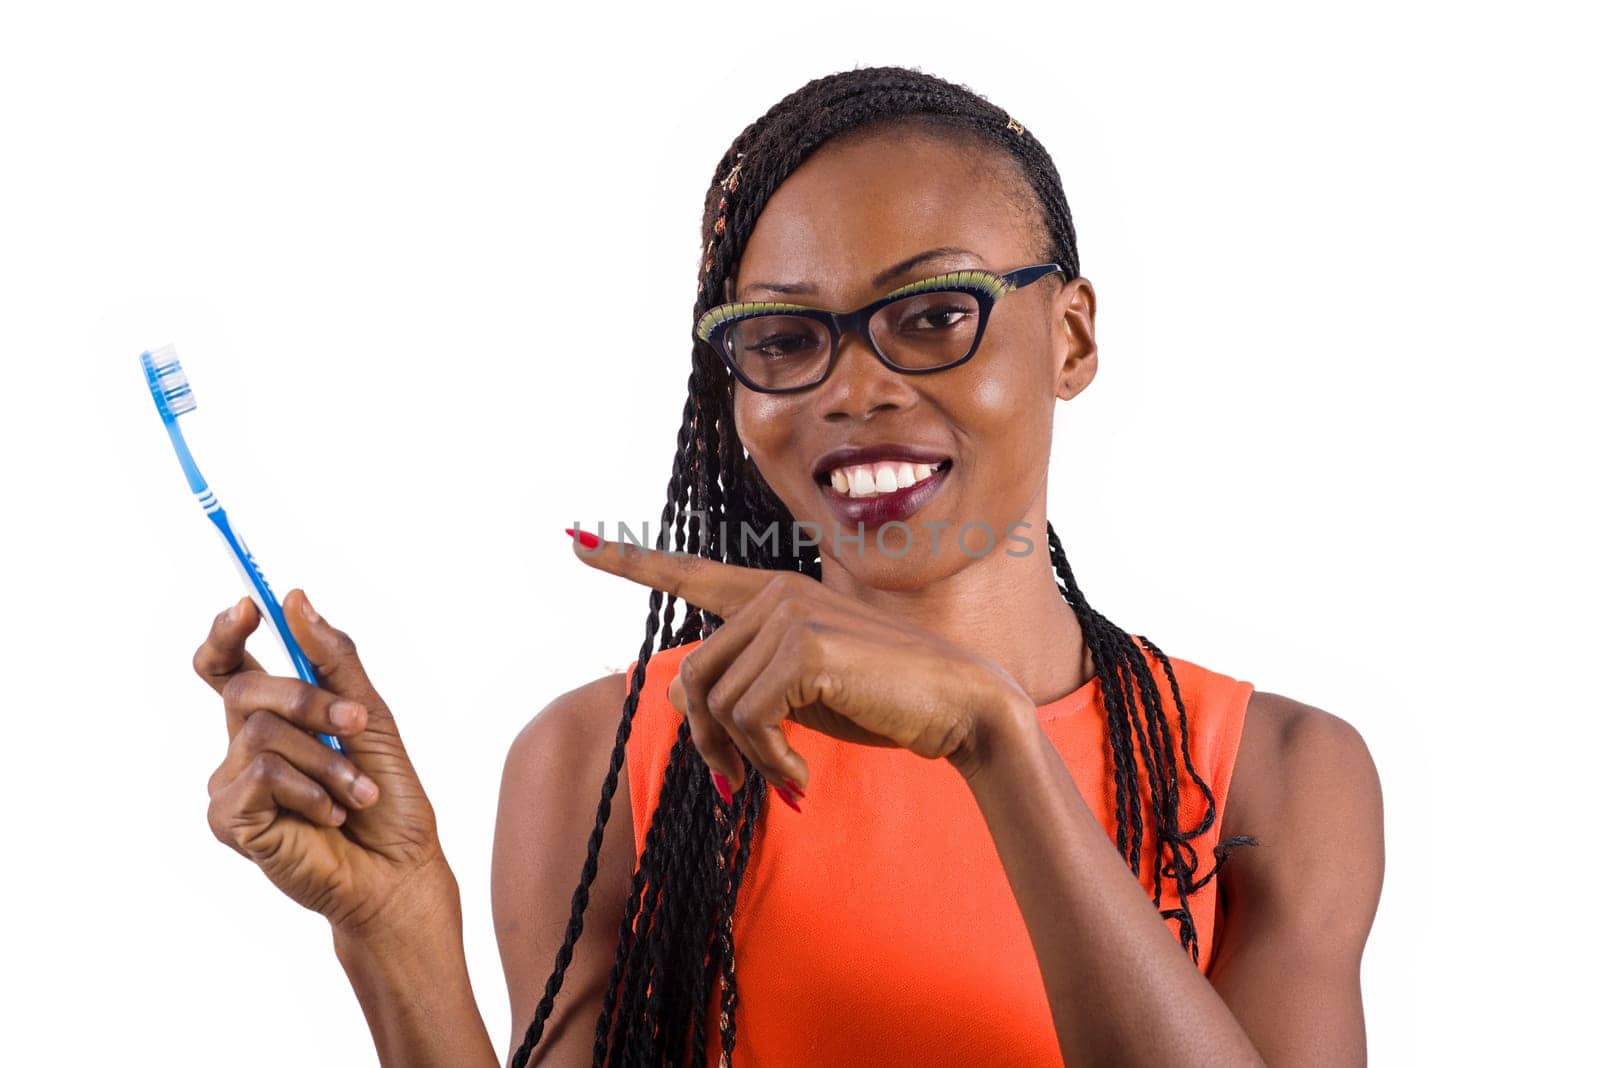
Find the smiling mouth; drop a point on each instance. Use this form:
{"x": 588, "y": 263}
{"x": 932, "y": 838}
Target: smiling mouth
{"x": 879, "y": 479}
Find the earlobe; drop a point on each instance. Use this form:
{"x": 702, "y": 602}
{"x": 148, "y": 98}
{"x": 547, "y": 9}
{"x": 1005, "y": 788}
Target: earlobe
{"x": 1077, "y": 371}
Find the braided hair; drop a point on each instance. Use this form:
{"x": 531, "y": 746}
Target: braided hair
{"x": 676, "y": 935}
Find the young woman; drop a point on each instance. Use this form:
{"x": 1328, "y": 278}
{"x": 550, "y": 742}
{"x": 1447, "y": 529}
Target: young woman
{"x": 1014, "y": 812}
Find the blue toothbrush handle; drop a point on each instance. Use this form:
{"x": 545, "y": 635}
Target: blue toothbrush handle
{"x": 261, "y": 593}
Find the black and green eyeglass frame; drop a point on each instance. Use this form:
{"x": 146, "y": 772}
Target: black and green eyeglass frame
{"x": 979, "y": 290}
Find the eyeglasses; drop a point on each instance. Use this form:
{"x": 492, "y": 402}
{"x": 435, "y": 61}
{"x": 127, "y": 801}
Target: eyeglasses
{"x": 925, "y": 326}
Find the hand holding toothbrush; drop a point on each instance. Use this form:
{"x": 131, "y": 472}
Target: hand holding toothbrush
{"x": 351, "y": 836}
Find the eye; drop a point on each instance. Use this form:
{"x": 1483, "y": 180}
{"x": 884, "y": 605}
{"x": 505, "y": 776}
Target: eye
{"x": 774, "y": 338}
{"x": 938, "y": 312}
{"x": 938, "y": 318}
{"x": 777, "y": 346}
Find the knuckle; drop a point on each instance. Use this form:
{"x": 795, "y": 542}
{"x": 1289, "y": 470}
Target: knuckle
{"x": 794, "y": 584}
{"x": 257, "y": 729}
{"x": 336, "y": 768}
{"x": 265, "y": 768}
{"x": 786, "y": 613}
{"x": 217, "y": 819}
{"x": 717, "y": 699}
{"x": 213, "y": 823}
{"x": 775, "y": 588}
{"x": 304, "y": 702}
{"x": 237, "y": 689}
{"x": 743, "y": 716}
{"x": 689, "y": 673}
{"x": 716, "y": 708}
{"x": 342, "y": 644}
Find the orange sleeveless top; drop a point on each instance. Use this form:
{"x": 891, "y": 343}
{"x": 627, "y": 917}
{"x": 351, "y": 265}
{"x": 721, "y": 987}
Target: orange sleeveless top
{"x": 878, "y": 926}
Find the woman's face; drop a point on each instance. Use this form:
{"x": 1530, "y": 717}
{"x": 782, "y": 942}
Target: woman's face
{"x": 853, "y": 210}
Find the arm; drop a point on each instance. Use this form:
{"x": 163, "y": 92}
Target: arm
{"x": 411, "y": 979}
{"x": 1289, "y": 963}
{"x": 370, "y": 862}
{"x": 548, "y": 799}
{"x": 1120, "y": 987}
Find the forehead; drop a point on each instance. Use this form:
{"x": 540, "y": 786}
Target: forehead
{"x": 859, "y": 205}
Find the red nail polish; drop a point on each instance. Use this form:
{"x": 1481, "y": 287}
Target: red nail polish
{"x": 723, "y": 787}
{"x": 794, "y": 787}
{"x": 788, "y": 799}
{"x": 585, "y": 539}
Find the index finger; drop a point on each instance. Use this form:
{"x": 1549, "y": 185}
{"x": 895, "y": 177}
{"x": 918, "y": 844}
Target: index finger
{"x": 711, "y": 584}
{"x": 223, "y": 655}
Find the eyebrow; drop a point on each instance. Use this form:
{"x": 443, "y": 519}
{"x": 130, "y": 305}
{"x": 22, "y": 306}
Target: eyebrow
{"x": 879, "y": 280}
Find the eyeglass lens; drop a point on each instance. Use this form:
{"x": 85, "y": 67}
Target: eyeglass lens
{"x": 920, "y": 332}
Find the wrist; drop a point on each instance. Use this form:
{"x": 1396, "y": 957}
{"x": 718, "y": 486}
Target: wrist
{"x": 1000, "y": 727}
{"x": 408, "y": 969}
{"x": 422, "y": 915}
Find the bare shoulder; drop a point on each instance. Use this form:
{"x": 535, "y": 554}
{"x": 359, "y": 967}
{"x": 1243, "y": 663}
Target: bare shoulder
{"x": 1286, "y": 746}
{"x": 1299, "y": 905}
{"x": 578, "y": 722}
{"x": 1306, "y": 787}
{"x": 549, "y": 797}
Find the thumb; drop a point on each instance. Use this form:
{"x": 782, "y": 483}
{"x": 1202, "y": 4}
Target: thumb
{"x": 332, "y": 653}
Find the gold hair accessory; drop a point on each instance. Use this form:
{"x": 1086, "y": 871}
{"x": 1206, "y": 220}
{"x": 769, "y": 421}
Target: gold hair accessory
{"x": 731, "y": 182}
{"x": 1014, "y": 126}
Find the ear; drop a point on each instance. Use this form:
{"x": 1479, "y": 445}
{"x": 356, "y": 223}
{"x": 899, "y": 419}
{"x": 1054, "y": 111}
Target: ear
{"x": 1072, "y": 334}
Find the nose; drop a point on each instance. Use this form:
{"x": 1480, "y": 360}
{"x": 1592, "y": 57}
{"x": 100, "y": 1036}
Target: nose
{"x": 860, "y": 385}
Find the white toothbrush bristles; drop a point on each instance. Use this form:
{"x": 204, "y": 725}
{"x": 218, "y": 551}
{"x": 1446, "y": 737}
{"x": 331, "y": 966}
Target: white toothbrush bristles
{"x": 169, "y": 382}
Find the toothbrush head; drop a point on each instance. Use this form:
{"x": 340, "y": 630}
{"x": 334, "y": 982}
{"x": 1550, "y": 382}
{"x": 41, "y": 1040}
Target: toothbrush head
{"x": 168, "y": 384}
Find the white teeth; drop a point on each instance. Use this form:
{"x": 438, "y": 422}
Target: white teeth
{"x": 868, "y": 480}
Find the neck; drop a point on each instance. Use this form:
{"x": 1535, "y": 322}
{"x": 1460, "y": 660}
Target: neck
{"x": 1006, "y": 609}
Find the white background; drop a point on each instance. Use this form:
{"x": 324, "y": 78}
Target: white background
{"x": 430, "y": 273}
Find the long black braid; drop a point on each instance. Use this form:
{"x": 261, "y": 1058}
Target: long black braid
{"x": 677, "y": 930}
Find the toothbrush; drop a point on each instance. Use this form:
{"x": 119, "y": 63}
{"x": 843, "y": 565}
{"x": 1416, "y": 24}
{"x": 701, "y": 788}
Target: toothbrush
{"x": 170, "y": 388}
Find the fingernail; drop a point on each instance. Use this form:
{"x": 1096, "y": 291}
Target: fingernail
{"x": 344, "y": 714}
{"x": 364, "y": 790}
{"x": 338, "y": 814}
{"x": 792, "y": 785}
{"x": 236, "y": 613}
{"x": 723, "y": 787}
{"x": 788, "y": 798}
{"x": 311, "y": 613}
{"x": 585, "y": 539}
